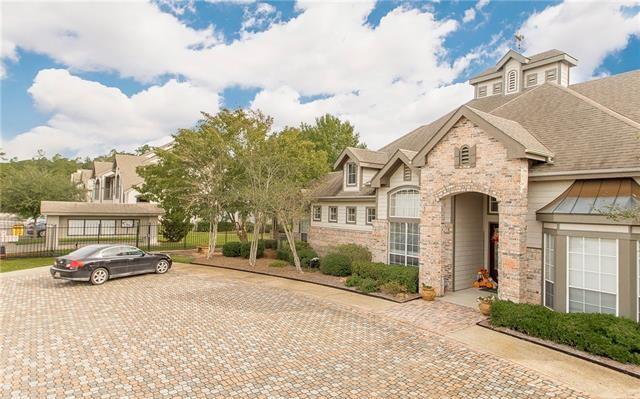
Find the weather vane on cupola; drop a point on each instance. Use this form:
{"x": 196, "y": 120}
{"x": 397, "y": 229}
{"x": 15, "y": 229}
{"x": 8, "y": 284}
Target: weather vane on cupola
{"x": 519, "y": 38}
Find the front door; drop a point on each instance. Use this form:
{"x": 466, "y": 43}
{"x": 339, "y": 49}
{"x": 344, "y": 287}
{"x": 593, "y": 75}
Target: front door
{"x": 494, "y": 250}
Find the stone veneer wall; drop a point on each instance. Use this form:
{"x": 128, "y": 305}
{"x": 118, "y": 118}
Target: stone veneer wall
{"x": 533, "y": 276}
{"x": 322, "y": 239}
{"x": 493, "y": 174}
{"x": 379, "y": 241}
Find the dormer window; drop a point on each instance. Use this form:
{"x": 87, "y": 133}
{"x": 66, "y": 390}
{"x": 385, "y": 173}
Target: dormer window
{"x": 550, "y": 74}
{"x": 482, "y": 91}
{"x": 497, "y": 88}
{"x": 532, "y": 79}
{"x": 351, "y": 174}
{"x": 512, "y": 83}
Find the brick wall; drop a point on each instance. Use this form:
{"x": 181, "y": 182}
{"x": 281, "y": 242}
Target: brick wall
{"x": 493, "y": 174}
{"x": 322, "y": 239}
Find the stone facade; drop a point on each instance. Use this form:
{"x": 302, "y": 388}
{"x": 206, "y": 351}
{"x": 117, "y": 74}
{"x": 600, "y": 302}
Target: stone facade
{"x": 533, "y": 276}
{"x": 493, "y": 174}
{"x": 380, "y": 241}
{"x": 322, "y": 239}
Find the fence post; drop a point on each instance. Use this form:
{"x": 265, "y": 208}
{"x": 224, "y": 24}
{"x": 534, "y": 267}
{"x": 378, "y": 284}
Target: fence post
{"x": 149, "y": 238}
{"x": 184, "y": 240}
{"x": 138, "y": 235}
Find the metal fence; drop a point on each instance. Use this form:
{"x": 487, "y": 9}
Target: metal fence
{"x": 60, "y": 240}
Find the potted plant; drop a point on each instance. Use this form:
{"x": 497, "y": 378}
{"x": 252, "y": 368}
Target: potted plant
{"x": 484, "y": 304}
{"x": 428, "y": 293}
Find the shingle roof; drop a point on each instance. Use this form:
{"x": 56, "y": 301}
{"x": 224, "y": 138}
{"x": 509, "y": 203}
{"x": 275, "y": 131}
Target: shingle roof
{"x": 100, "y": 167}
{"x": 534, "y": 58}
{"x": 369, "y": 156}
{"x": 127, "y": 165}
{"x": 93, "y": 208}
{"x": 331, "y": 186}
{"x": 619, "y": 93}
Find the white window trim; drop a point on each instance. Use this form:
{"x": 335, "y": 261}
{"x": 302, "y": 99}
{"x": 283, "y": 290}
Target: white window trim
{"x": 366, "y": 215}
{"x": 617, "y": 276}
{"x": 355, "y": 215}
{"x": 329, "y": 214}
{"x": 315, "y": 207}
{"x": 392, "y": 201}
{"x": 545, "y": 239}
{"x": 638, "y": 278}
{"x": 406, "y": 244}
{"x": 355, "y": 174}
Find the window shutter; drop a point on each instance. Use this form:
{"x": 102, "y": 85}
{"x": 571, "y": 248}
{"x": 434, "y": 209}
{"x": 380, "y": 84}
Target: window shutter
{"x": 472, "y": 156}
{"x": 456, "y": 157}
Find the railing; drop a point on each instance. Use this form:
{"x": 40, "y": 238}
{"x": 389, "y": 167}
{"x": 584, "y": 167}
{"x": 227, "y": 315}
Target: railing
{"x": 60, "y": 240}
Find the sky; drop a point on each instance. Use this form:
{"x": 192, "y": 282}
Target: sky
{"x": 82, "y": 78}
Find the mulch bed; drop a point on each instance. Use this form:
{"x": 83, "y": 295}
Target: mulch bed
{"x": 308, "y": 275}
{"x": 626, "y": 368}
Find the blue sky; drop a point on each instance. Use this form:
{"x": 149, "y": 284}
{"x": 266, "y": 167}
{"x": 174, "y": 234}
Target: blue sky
{"x": 82, "y": 79}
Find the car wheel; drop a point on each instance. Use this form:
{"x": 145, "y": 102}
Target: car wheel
{"x": 162, "y": 267}
{"x": 99, "y": 276}
{"x": 41, "y": 233}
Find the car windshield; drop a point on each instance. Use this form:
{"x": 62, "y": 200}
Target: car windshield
{"x": 84, "y": 252}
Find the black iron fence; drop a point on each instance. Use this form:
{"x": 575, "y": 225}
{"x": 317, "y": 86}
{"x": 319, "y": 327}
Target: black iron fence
{"x": 59, "y": 240}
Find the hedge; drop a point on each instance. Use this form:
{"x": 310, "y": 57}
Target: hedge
{"x": 335, "y": 265}
{"x": 406, "y": 276}
{"x": 354, "y": 252}
{"x": 245, "y": 249}
{"x": 231, "y": 249}
{"x": 270, "y": 244}
{"x": 304, "y": 254}
{"x": 600, "y": 334}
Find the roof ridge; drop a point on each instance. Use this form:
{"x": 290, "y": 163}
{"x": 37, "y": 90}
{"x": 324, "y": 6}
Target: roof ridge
{"x": 586, "y": 82}
{"x": 602, "y": 107}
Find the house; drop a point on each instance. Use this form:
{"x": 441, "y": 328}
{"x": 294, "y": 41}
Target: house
{"x": 114, "y": 181}
{"x": 515, "y": 181}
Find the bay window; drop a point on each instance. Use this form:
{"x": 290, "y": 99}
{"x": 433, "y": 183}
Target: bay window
{"x": 592, "y": 275}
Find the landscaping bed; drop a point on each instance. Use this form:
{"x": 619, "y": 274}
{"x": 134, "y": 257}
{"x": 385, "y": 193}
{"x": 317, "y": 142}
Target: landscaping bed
{"x": 310, "y": 275}
{"x": 607, "y": 340}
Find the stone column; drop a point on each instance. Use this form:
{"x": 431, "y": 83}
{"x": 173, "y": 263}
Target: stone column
{"x": 513, "y": 252}
{"x": 379, "y": 240}
{"x": 431, "y": 248}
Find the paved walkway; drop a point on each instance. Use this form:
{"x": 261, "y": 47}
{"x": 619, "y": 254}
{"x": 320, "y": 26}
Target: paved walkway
{"x": 203, "y": 332}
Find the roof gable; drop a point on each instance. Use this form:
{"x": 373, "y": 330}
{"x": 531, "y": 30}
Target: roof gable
{"x": 518, "y": 141}
{"x": 399, "y": 158}
{"x": 362, "y": 156}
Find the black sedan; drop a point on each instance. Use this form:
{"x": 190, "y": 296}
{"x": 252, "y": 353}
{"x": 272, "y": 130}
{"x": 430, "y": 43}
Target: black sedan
{"x": 98, "y": 263}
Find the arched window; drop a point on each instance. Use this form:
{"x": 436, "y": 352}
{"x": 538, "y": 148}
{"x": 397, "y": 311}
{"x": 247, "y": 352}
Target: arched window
{"x": 405, "y": 203}
{"x": 512, "y": 81}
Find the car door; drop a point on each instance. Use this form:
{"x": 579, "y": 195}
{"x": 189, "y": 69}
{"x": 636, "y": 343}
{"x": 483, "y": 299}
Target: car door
{"x": 139, "y": 261}
{"x": 116, "y": 260}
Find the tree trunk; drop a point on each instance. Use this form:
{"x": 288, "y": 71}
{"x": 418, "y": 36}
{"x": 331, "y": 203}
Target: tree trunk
{"x": 213, "y": 236}
{"x": 292, "y": 245}
{"x": 253, "y": 255}
{"x": 274, "y": 228}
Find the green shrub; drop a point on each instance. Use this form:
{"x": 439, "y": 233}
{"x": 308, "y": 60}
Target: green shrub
{"x": 368, "y": 285}
{"x": 278, "y": 263}
{"x": 352, "y": 281}
{"x": 231, "y": 249}
{"x": 335, "y": 265}
{"x": 354, "y": 252}
{"x": 245, "y": 249}
{"x": 270, "y": 244}
{"x": 306, "y": 255}
{"x": 601, "y": 334}
{"x": 405, "y": 276}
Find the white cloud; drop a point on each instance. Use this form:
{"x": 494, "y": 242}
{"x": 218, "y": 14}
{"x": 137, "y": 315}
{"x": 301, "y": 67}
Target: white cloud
{"x": 589, "y": 31}
{"x": 260, "y": 17}
{"x": 88, "y": 118}
{"x": 469, "y": 15}
{"x": 481, "y": 4}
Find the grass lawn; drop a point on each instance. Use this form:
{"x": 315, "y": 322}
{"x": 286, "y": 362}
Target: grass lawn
{"x": 182, "y": 258}
{"x": 9, "y": 265}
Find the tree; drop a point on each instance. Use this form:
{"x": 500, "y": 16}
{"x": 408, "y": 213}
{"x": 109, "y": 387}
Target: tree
{"x": 175, "y": 224}
{"x": 26, "y": 183}
{"x": 194, "y": 174}
{"x": 331, "y": 135}
{"x": 617, "y": 213}
{"x": 300, "y": 166}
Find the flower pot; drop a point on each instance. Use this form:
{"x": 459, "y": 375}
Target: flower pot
{"x": 428, "y": 294}
{"x": 485, "y": 308}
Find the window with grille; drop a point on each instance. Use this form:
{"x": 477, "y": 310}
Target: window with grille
{"x": 405, "y": 204}
{"x": 592, "y": 281}
{"x": 404, "y": 244}
{"x": 351, "y": 214}
{"x": 371, "y": 215}
{"x": 406, "y": 173}
{"x": 351, "y": 174}
{"x": 333, "y": 214}
{"x": 317, "y": 213}
{"x": 512, "y": 83}
{"x": 549, "y": 269}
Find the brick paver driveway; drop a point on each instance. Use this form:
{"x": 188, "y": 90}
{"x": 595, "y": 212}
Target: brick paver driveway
{"x": 192, "y": 334}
